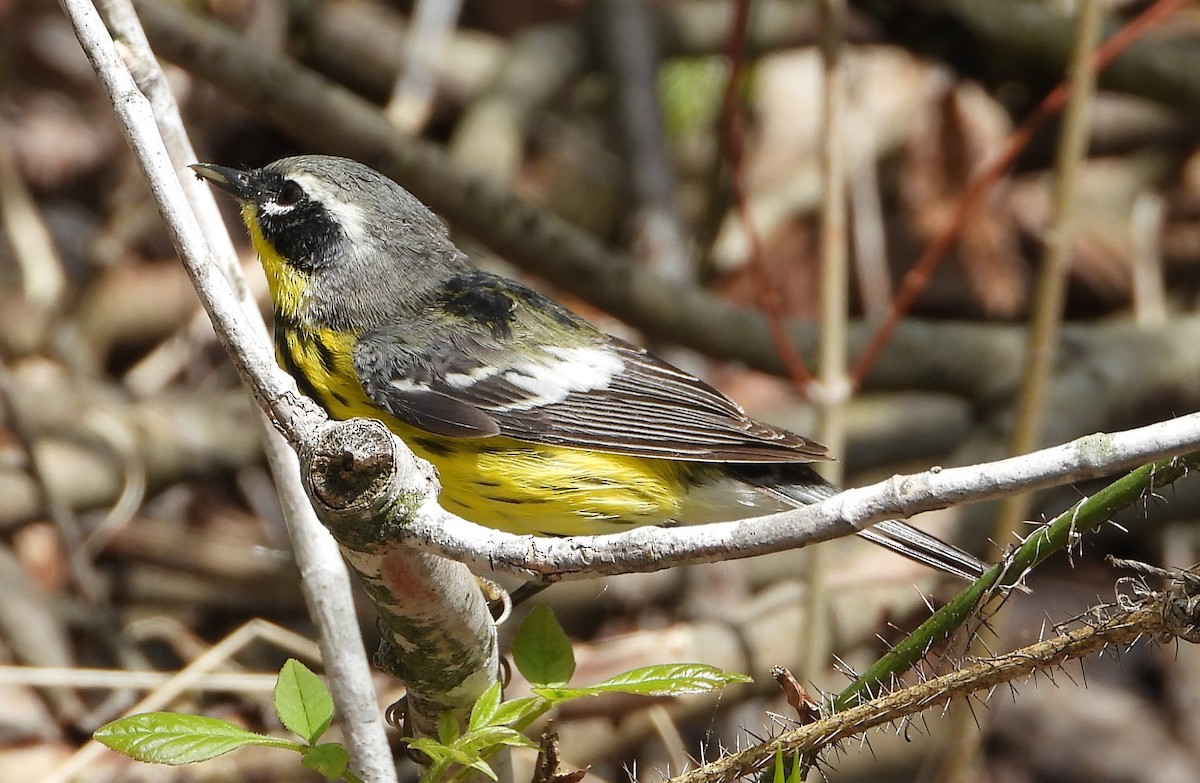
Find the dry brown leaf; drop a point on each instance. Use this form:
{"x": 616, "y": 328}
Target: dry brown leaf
{"x": 961, "y": 130}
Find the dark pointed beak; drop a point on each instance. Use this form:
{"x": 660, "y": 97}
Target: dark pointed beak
{"x": 239, "y": 184}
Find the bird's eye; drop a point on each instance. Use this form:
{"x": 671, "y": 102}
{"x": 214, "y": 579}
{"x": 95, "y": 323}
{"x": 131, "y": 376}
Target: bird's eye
{"x": 290, "y": 194}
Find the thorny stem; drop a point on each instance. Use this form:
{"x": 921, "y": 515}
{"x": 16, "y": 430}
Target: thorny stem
{"x": 1086, "y": 515}
{"x": 1174, "y": 614}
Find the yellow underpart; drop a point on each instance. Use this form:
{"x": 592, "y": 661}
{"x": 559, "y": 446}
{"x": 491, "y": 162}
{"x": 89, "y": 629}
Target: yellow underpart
{"x": 286, "y": 283}
{"x": 500, "y": 482}
{"x": 548, "y": 490}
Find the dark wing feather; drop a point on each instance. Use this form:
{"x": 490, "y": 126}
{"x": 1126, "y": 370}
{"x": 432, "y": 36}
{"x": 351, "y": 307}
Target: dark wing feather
{"x": 526, "y": 379}
{"x": 652, "y": 409}
{"x": 438, "y": 413}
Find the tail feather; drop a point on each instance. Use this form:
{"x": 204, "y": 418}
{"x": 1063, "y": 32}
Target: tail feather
{"x": 800, "y": 485}
{"x": 923, "y": 548}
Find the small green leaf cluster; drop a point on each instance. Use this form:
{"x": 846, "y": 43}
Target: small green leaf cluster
{"x": 542, "y": 653}
{"x": 301, "y": 699}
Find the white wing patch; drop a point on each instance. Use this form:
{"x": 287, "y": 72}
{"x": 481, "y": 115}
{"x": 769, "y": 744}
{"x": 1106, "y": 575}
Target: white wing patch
{"x": 408, "y": 385}
{"x": 548, "y": 379}
{"x": 570, "y": 370}
{"x": 465, "y": 380}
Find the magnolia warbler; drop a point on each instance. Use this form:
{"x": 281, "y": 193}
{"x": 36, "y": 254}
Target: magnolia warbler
{"x": 536, "y": 421}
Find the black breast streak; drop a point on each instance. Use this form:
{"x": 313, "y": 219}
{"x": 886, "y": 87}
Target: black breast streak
{"x": 435, "y": 447}
{"x": 291, "y": 368}
{"x": 328, "y": 360}
{"x": 482, "y": 299}
{"x": 284, "y": 323}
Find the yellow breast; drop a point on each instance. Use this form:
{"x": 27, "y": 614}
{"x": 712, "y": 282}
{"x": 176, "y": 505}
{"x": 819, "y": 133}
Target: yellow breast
{"x": 497, "y": 482}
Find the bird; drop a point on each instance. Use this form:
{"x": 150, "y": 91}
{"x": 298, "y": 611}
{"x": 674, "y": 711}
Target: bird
{"x": 536, "y": 421}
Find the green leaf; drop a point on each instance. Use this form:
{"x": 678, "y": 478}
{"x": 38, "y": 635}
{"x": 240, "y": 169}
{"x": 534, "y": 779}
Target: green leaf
{"x": 670, "y": 679}
{"x": 441, "y": 753}
{"x": 436, "y": 751}
{"x": 171, "y": 738}
{"x": 557, "y": 695}
{"x": 329, "y": 759}
{"x": 459, "y": 756}
{"x": 779, "y": 773}
{"x": 797, "y": 773}
{"x": 435, "y": 773}
{"x": 518, "y": 711}
{"x": 447, "y": 728}
{"x": 488, "y": 738}
{"x": 302, "y": 701}
{"x": 542, "y": 651}
{"x": 484, "y": 711}
{"x": 484, "y": 767}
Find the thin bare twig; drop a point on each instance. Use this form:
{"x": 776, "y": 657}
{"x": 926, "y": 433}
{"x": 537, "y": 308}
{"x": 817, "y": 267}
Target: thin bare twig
{"x": 1045, "y": 326}
{"x": 412, "y": 96}
{"x": 733, "y": 124}
{"x": 631, "y": 53}
{"x": 217, "y": 655}
{"x": 831, "y": 388}
{"x": 872, "y": 276}
{"x": 83, "y": 572}
{"x": 1149, "y": 294}
{"x": 42, "y": 276}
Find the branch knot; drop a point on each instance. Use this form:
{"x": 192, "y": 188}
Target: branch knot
{"x": 349, "y": 465}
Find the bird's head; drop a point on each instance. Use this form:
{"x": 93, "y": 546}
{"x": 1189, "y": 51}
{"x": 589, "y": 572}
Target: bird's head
{"x": 321, "y": 218}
